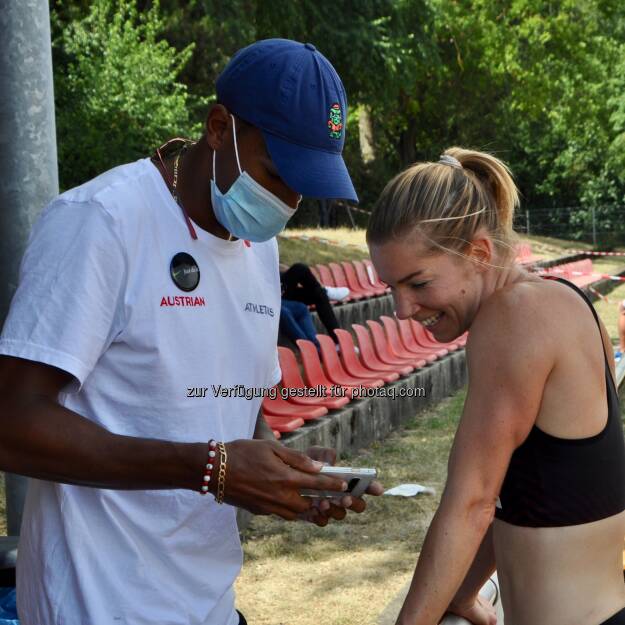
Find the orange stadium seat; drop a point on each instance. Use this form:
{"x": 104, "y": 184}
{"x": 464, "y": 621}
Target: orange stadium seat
{"x": 325, "y": 275}
{"x": 425, "y": 339}
{"x": 283, "y": 424}
{"x": 408, "y": 339}
{"x": 335, "y": 370}
{"x": 352, "y": 363}
{"x": 398, "y": 348}
{"x": 363, "y": 278}
{"x": 369, "y": 357}
{"x": 291, "y": 378}
{"x": 340, "y": 280}
{"x": 315, "y": 375}
{"x": 353, "y": 283}
{"x": 385, "y": 351}
{"x": 373, "y": 275}
{"x": 280, "y": 407}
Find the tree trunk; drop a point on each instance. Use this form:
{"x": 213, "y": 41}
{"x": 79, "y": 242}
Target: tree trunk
{"x": 365, "y": 135}
{"x": 407, "y": 143}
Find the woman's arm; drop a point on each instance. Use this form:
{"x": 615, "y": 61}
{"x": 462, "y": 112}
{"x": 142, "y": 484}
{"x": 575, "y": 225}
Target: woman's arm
{"x": 510, "y": 354}
{"x": 481, "y": 569}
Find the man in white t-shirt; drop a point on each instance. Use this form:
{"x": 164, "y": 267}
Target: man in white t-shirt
{"x": 147, "y": 311}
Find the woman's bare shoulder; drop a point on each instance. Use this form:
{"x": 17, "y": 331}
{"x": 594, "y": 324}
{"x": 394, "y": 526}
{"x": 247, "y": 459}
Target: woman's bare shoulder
{"x": 533, "y": 311}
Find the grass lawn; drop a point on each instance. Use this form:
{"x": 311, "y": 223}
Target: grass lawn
{"x": 312, "y": 253}
{"x": 608, "y": 311}
{"x": 547, "y": 247}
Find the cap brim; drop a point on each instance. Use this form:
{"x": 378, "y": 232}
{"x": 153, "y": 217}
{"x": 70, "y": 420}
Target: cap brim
{"x": 312, "y": 173}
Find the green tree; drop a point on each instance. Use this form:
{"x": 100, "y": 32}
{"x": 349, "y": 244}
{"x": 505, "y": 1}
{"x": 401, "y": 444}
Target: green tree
{"x": 116, "y": 89}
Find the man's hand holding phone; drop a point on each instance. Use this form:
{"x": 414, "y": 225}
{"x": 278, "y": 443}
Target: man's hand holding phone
{"x": 323, "y": 509}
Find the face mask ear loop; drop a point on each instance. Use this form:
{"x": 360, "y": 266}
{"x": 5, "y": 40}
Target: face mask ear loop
{"x": 236, "y": 151}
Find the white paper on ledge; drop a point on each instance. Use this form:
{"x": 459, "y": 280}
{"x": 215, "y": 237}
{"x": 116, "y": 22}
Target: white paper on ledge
{"x": 410, "y": 490}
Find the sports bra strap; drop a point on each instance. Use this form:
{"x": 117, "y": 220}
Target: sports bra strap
{"x": 592, "y": 308}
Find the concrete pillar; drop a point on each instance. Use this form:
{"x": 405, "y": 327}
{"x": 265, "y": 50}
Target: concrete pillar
{"x": 28, "y": 159}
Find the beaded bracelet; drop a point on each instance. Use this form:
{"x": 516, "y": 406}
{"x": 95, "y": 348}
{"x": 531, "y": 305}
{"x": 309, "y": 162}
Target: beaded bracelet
{"x": 221, "y": 484}
{"x": 208, "y": 469}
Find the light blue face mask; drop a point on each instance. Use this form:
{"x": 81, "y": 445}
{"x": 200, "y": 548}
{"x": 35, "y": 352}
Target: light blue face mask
{"x": 247, "y": 210}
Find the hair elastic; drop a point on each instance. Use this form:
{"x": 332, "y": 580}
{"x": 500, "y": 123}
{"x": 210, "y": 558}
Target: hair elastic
{"x": 446, "y": 159}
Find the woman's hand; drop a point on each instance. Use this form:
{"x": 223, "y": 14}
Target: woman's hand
{"x": 481, "y": 612}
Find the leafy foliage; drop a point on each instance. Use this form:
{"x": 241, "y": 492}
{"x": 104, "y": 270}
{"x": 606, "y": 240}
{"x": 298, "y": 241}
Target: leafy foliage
{"x": 116, "y": 89}
{"x": 539, "y": 82}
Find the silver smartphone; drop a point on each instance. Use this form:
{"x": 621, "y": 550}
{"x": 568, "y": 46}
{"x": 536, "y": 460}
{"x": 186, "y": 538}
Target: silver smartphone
{"x": 358, "y": 481}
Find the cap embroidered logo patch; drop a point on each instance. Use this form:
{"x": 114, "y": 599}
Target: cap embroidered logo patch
{"x": 184, "y": 271}
{"x": 335, "y": 123}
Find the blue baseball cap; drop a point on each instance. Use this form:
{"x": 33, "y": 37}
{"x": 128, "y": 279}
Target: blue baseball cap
{"x": 291, "y": 92}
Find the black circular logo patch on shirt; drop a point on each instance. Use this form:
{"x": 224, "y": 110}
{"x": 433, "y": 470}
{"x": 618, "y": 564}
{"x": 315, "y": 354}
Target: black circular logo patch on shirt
{"x": 184, "y": 271}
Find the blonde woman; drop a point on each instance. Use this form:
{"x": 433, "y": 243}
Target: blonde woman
{"x": 536, "y": 480}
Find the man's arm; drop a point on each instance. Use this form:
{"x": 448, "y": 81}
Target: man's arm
{"x": 41, "y": 439}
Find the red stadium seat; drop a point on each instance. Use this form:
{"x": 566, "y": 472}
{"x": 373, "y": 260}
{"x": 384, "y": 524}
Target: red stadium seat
{"x": 353, "y": 283}
{"x": 315, "y": 375}
{"x": 425, "y": 339}
{"x": 283, "y": 424}
{"x": 291, "y": 379}
{"x": 462, "y": 339}
{"x": 335, "y": 370}
{"x": 408, "y": 339}
{"x": 279, "y": 407}
{"x": 457, "y": 343}
{"x": 397, "y": 347}
{"x": 325, "y": 275}
{"x": 315, "y": 273}
{"x": 352, "y": 363}
{"x": 370, "y": 358}
{"x": 340, "y": 280}
{"x": 363, "y": 278}
{"x": 373, "y": 275}
{"x": 384, "y": 350}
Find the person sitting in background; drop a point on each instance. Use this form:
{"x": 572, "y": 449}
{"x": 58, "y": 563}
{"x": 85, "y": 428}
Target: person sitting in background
{"x": 296, "y": 322}
{"x": 300, "y": 285}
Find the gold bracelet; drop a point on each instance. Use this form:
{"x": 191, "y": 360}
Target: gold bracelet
{"x": 221, "y": 483}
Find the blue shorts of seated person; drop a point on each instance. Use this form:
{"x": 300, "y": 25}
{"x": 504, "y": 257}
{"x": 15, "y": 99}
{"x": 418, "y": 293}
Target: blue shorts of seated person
{"x": 296, "y": 322}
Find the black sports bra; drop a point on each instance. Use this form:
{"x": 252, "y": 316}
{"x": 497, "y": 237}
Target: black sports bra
{"x": 554, "y": 482}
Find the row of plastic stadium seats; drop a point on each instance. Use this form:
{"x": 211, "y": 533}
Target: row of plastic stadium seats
{"x": 385, "y": 351}
{"x": 524, "y": 254}
{"x": 359, "y": 276}
{"x": 362, "y": 280}
{"x": 580, "y": 272}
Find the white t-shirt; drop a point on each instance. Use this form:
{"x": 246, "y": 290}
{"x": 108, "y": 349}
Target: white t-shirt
{"x": 97, "y": 300}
